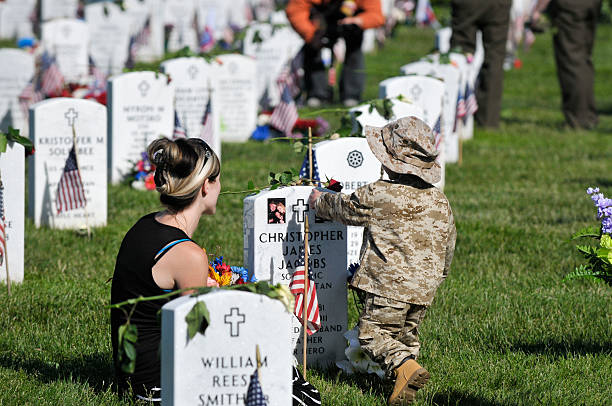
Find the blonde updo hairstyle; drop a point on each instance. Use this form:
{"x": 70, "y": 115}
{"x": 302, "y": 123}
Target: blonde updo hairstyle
{"x": 181, "y": 167}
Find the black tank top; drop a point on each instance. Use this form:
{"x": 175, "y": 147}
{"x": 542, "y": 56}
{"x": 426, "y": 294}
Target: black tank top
{"x": 132, "y": 278}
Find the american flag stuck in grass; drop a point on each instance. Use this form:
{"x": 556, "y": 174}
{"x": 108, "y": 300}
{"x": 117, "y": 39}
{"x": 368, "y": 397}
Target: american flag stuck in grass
{"x": 207, "y": 123}
{"x": 312, "y": 305}
{"x": 70, "y": 190}
{"x": 285, "y": 114}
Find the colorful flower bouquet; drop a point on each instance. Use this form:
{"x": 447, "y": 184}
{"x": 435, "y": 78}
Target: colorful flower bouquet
{"x": 221, "y": 274}
{"x": 599, "y": 257}
{"x": 142, "y": 174}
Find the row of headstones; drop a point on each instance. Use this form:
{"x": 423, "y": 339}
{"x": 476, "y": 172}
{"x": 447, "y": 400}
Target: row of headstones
{"x": 106, "y": 35}
{"x": 140, "y": 109}
{"x": 16, "y": 15}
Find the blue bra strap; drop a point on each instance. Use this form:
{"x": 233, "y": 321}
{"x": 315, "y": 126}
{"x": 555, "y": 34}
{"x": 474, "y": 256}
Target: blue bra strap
{"x": 168, "y": 246}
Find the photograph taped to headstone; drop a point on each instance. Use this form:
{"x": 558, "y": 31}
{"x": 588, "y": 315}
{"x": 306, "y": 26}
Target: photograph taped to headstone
{"x": 276, "y": 211}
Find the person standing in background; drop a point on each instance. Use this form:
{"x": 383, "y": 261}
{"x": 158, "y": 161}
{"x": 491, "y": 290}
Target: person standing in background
{"x": 492, "y": 18}
{"x": 574, "y": 22}
{"x": 321, "y": 23}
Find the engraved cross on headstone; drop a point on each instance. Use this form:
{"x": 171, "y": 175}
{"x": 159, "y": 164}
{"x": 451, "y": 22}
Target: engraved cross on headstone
{"x": 234, "y": 318}
{"x": 71, "y": 115}
{"x": 143, "y": 87}
{"x": 301, "y": 207}
{"x": 192, "y": 71}
{"x": 416, "y": 91}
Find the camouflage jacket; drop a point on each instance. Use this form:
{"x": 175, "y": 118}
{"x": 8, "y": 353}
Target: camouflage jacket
{"x": 408, "y": 241}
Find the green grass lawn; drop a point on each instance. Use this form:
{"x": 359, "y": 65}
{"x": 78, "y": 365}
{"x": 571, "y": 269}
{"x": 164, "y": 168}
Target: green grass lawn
{"x": 503, "y": 330}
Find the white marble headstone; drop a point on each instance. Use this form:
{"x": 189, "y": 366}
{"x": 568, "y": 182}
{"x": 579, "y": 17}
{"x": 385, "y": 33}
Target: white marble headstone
{"x": 279, "y": 46}
{"x": 181, "y": 14}
{"x": 351, "y": 162}
{"x": 109, "y": 36}
{"x": 400, "y": 109}
{"x": 142, "y": 12}
{"x": 219, "y": 15}
{"x": 51, "y": 131}
{"x": 16, "y": 70}
{"x": 215, "y": 368}
{"x": 235, "y": 97}
{"x": 451, "y": 76}
{"x": 15, "y": 18}
{"x": 12, "y": 170}
{"x": 50, "y": 9}
{"x": 193, "y": 84}
{"x": 271, "y": 252}
{"x": 140, "y": 108}
{"x": 68, "y": 41}
{"x": 443, "y": 39}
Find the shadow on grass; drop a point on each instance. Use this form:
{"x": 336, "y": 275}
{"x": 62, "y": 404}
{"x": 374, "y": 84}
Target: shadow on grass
{"x": 94, "y": 370}
{"x": 464, "y": 399}
{"x": 560, "y": 349}
{"x": 368, "y": 383}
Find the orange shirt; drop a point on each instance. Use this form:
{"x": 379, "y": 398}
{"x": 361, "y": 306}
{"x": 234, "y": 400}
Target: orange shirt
{"x": 298, "y": 12}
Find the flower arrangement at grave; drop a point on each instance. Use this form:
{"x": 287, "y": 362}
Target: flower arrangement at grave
{"x": 598, "y": 257}
{"x": 142, "y": 174}
{"x": 221, "y": 274}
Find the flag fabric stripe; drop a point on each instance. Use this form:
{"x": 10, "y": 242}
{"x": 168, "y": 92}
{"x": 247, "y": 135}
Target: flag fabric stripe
{"x": 470, "y": 100}
{"x": 207, "y": 123}
{"x": 52, "y": 80}
{"x": 437, "y": 134}
{"x": 313, "y": 319}
{"x": 285, "y": 114}
{"x": 179, "y": 130}
{"x": 70, "y": 190}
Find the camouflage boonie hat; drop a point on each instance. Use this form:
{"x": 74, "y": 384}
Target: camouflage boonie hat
{"x": 406, "y": 146}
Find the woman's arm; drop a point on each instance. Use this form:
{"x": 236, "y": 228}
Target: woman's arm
{"x": 185, "y": 266}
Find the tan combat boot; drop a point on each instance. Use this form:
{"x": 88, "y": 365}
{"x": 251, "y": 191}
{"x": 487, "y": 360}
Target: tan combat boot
{"x": 410, "y": 377}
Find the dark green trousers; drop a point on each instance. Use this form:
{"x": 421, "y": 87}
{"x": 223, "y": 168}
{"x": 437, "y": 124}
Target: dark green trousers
{"x": 492, "y": 18}
{"x": 575, "y": 22}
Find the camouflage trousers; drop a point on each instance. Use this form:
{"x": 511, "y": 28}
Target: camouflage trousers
{"x": 388, "y": 331}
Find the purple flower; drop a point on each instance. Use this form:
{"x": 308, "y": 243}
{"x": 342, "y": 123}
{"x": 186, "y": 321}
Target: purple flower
{"x": 604, "y": 209}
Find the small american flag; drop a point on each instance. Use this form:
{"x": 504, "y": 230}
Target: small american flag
{"x": 179, "y": 130}
{"x": 70, "y": 191}
{"x": 207, "y": 123}
{"x": 29, "y": 96}
{"x": 2, "y": 225}
{"x": 140, "y": 39}
{"x": 207, "y": 39}
{"x": 255, "y": 396}
{"x": 98, "y": 77}
{"x": 52, "y": 81}
{"x": 460, "y": 105}
{"x": 305, "y": 170}
{"x": 437, "y": 134}
{"x": 285, "y": 114}
{"x": 471, "y": 105}
{"x": 312, "y": 305}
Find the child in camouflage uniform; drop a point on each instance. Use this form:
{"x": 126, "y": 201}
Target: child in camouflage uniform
{"x": 408, "y": 246}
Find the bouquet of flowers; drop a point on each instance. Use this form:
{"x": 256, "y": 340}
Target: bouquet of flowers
{"x": 599, "y": 257}
{"x": 142, "y": 174}
{"x": 221, "y": 274}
